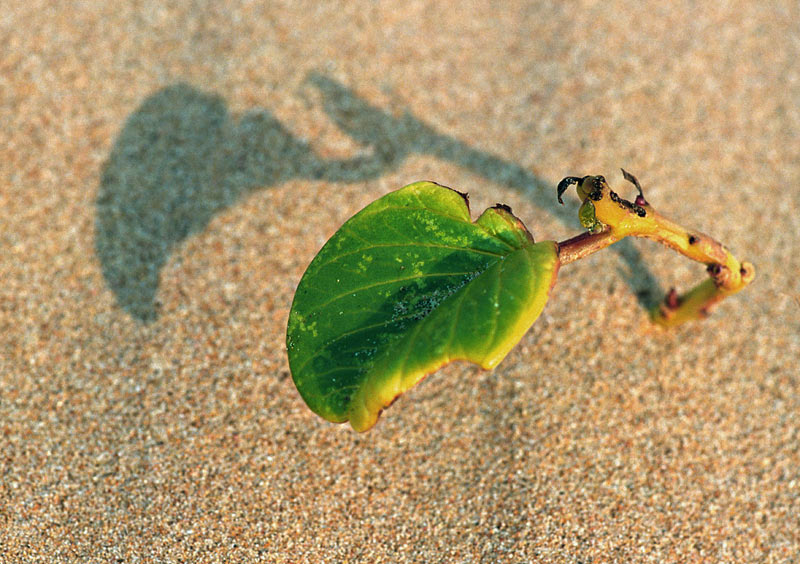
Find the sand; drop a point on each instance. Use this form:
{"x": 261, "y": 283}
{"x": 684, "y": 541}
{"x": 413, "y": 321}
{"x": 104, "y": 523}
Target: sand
{"x": 168, "y": 172}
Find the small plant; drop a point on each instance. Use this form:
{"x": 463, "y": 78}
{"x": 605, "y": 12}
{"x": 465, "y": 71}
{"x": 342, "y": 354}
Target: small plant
{"x": 411, "y": 283}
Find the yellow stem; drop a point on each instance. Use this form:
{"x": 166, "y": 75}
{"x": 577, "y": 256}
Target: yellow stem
{"x": 621, "y": 219}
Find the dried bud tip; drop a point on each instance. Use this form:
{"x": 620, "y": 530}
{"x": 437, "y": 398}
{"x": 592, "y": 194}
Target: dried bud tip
{"x": 672, "y": 301}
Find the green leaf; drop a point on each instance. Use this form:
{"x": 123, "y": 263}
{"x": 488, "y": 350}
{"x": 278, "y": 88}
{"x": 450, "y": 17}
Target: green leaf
{"x": 405, "y": 286}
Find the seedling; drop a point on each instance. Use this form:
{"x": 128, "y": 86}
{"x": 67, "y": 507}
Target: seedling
{"x": 411, "y": 283}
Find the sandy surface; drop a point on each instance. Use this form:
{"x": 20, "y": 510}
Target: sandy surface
{"x": 166, "y": 174}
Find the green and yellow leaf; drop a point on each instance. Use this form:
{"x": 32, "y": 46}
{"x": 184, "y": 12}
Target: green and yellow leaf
{"x": 406, "y": 286}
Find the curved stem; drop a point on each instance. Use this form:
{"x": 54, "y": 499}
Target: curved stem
{"x": 620, "y": 218}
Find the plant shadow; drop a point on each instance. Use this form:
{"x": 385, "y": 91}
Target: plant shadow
{"x": 181, "y": 158}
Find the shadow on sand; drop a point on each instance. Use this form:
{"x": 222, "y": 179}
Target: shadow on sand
{"x": 181, "y": 158}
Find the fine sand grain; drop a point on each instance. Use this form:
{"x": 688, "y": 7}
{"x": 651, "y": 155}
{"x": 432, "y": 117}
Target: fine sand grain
{"x": 169, "y": 169}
